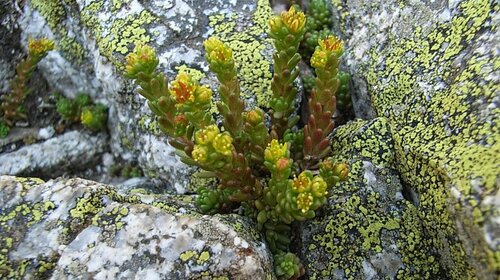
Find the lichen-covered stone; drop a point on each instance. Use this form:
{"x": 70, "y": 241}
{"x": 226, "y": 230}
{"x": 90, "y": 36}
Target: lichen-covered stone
{"x": 370, "y": 227}
{"x": 82, "y": 229}
{"x": 431, "y": 70}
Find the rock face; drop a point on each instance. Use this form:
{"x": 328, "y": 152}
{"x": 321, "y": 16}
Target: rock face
{"x": 94, "y": 37}
{"x": 55, "y": 155}
{"x": 430, "y": 71}
{"x": 81, "y": 229}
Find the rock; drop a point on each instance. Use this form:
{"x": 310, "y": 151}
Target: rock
{"x": 10, "y": 48}
{"x": 93, "y": 39}
{"x": 370, "y": 227}
{"x": 72, "y": 150}
{"x": 46, "y": 132}
{"x": 429, "y": 70}
{"x": 82, "y": 229}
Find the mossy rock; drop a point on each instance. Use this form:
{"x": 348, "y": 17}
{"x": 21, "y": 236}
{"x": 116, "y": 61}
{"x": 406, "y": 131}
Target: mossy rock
{"x": 69, "y": 228}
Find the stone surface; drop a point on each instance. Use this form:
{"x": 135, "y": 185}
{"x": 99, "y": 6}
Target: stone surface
{"x": 10, "y": 48}
{"x": 72, "y": 149}
{"x": 370, "y": 227}
{"x": 94, "y": 37}
{"x": 82, "y": 229}
{"x": 431, "y": 71}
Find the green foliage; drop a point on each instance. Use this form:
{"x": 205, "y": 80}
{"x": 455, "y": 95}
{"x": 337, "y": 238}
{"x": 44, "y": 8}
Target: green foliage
{"x": 344, "y": 101}
{"x": 213, "y": 201}
{"x": 287, "y": 266}
{"x": 4, "y": 130}
{"x": 310, "y": 41}
{"x": 343, "y": 95}
{"x": 318, "y": 25}
{"x": 318, "y": 15}
{"x": 92, "y": 116}
{"x": 271, "y": 172}
{"x": 126, "y": 170}
{"x": 68, "y": 109}
{"x": 12, "y": 103}
{"x": 83, "y": 100}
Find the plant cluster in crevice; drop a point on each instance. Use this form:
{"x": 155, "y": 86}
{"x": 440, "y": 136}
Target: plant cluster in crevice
{"x": 83, "y": 110}
{"x": 318, "y": 27}
{"x": 12, "y": 102}
{"x": 277, "y": 174}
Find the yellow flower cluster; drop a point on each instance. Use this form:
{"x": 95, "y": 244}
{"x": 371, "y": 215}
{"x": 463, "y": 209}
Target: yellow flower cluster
{"x": 292, "y": 20}
{"x": 328, "y": 47}
{"x": 275, "y": 151}
{"x": 87, "y": 117}
{"x": 254, "y": 117}
{"x": 186, "y": 90}
{"x": 211, "y": 144}
{"x": 142, "y": 59}
{"x": 308, "y": 188}
{"x": 40, "y": 47}
{"x": 217, "y": 52}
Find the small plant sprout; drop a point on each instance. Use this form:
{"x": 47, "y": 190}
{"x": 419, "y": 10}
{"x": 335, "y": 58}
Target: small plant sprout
{"x": 12, "y": 103}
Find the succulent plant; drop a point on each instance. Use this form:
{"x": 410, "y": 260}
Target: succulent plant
{"x": 94, "y": 117}
{"x": 12, "y": 103}
{"x": 271, "y": 172}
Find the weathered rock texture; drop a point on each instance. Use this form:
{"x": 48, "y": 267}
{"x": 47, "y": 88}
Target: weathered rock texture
{"x": 73, "y": 149}
{"x": 430, "y": 70}
{"x": 73, "y": 228}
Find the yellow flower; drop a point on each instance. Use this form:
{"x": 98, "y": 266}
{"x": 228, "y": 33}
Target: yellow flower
{"x": 223, "y": 144}
{"x": 207, "y": 135}
{"x": 142, "y": 59}
{"x": 203, "y": 94}
{"x": 40, "y": 47}
{"x": 293, "y": 21}
{"x": 275, "y": 151}
{"x": 200, "y": 153}
{"x": 87, "y": 117}
{"x": 319, "y": 59}
{"x": 217, "y": 51}
{"x": 303, "y": 182}
{"x": 318, "y": 187}
{"x": 331, "y": 43}
{"x": 182, "y": 88}
{"x": 304, "y": 201}
{"x": 327, "y": 47}
{"x": 341, "y": 170}
{"x": 254, "y": 117}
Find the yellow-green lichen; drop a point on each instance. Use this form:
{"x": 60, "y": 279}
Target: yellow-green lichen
{"x": 249, "y": 50}
{"x": 187, "y": 255}
{"x": 14, "y": 221}
{"x": 111, "y": 220}
{"x": 54, "y": 12}
{"x": 150, "y": 124}
{"x": 445, "y": 138}
{"x": 363, "y": 220}
{"x": 204, "y": 256}
{"x": 115, "y": 36}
